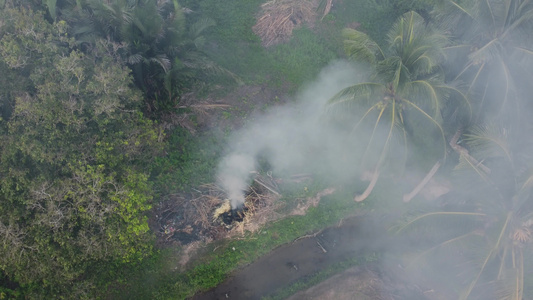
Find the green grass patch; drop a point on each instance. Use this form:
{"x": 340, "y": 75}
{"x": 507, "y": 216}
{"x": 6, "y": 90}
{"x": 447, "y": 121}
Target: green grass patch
{"x": 233, "y": 45}
{"x": 299, "y": 60}
{"x": 190, "y": 160}
{"x": 374, "y": 16}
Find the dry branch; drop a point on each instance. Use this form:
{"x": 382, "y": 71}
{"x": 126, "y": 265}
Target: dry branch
{"x": 308, "y": 236}
{"x": 267, "y": 187}
{"x": 319, "y": 245}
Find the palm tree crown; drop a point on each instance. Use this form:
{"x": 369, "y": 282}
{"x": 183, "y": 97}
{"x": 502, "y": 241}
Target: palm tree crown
{"x": 493, "y": 53}
{"x": 406, "y": 89}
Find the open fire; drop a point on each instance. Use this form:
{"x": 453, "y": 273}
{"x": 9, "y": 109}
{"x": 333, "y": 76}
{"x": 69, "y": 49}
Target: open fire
{"x": 228, "y": 215}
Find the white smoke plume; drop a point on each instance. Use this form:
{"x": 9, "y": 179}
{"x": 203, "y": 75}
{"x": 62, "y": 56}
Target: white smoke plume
{"x": 235, "y": 170}
{"x": 292, "y": 137}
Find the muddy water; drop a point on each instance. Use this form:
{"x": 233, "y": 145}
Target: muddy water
{"x": 291, "y": 262}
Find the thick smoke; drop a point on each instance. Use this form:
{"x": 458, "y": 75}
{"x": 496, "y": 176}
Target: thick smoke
{"x": 235, "y": 170}
{"x": 292, "y": 137}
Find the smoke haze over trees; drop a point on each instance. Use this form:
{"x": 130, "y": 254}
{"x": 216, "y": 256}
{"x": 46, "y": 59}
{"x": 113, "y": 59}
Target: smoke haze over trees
{"x": 87, "y": 88}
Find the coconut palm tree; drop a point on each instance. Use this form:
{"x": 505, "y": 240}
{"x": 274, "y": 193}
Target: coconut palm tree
{"x": 492, "y": 54}
{"x": 405, "y": 93}
{"x": 487, "y": 230}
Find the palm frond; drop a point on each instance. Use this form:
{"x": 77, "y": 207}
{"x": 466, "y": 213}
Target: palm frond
{"x": 134, "y": 58}
{"x": 490, "y": 254}
{"x": 508, "y": 88}
{"x": 375, "y": 132}
{"x": 365, "y": 115}
{"x": 488, "y": 52}
{"x": 461, "y": 8}
{"x": 139, "y": 25}
{"x": 52, "y": 9}
{"x": 488, "y": 141}
{"x": 199, "y": 42}
{"x": 468, "y": 163}
{"x": 432, "y": 120}
{"x": 393, "y": 122}
{"x": 441, "y": 245}
{"x": 358, "y": 46}
{"x": 520, "y": 17}
{"x": 426, "y": 93}
{"x": 524, "y": 50}
{"x": 200, "y": 26}
{"x": 464, "y": 102}
{"x": 474, "y": 81}
{"x": 83, "y": 29}
{"x": 404, "y": 30}
{"x": 198, "y": 61}
{"x": 163, "y": 61}
{"x": 418, "y": 44}
{"x": 527, "y": 182}
{"x": 361, "y": 94}
{"x": 430, "y": 217}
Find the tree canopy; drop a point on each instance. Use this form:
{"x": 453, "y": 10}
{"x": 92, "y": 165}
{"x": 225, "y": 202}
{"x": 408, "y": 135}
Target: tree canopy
{"x": 74, "y": 156}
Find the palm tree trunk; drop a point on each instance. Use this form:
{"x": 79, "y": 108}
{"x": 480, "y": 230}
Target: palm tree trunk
{"x": 422, "y": 184}
{"x": 366, "y": 193}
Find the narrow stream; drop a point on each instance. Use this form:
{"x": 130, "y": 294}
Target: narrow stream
{"x": 357, "y": 236}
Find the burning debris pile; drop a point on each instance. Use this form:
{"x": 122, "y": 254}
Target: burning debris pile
{"x": 279, "y": 17}
{"x": 207, "y": 213}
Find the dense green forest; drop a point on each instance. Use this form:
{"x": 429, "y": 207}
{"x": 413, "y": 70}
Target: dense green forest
{"x": 107, "y": 112}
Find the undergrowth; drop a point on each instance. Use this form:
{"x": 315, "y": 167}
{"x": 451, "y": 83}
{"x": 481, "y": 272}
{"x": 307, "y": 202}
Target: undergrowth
{"x": 190, "y": 161}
